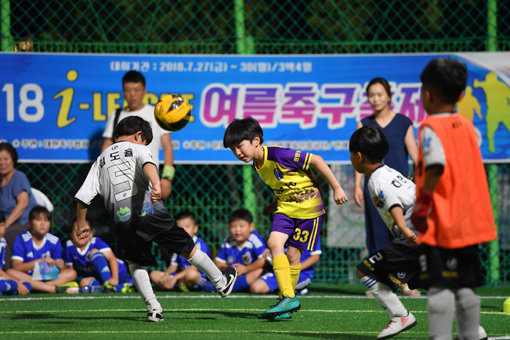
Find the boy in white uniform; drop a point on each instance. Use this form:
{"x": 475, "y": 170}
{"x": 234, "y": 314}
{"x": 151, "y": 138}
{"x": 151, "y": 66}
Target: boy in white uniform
{"x": 126, "y": 176}
{"x": 393, "y": 196}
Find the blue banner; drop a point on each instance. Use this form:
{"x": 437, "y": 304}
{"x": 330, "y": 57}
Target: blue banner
{"x": 53, "y": 107}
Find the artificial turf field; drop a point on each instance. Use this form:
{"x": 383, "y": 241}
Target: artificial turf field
{"x": 328, "y": 312}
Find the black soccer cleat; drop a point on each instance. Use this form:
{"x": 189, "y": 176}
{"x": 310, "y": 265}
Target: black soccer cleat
{"x": 230, "y": 275}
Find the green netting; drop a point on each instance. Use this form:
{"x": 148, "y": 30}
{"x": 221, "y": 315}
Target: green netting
{"x": 261, "y": 27}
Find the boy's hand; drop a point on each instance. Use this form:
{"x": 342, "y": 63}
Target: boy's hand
{"x": 49, "y": 261}
{"x": 340, "y": 196}
{"x": 22, "y": 289}
{"x": 156, "y": 193}
{"x": 113, "y": 281}
{"x": 83, "y": 229}
{"x": 241, "y": 269}
{"x": 410, "y": 236}
{"x": 422, "y": 210}
{"x": 358, "y": 196}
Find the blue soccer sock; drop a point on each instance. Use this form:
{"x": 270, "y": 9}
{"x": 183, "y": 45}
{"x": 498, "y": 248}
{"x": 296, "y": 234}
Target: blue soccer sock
{"x": 101, "y": 265}
{"x": 8, "y": 287}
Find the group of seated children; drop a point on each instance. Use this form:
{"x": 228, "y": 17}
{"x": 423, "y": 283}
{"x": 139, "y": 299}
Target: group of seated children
{"x": 244, "y": 248}
{"x": 39, "y": 263}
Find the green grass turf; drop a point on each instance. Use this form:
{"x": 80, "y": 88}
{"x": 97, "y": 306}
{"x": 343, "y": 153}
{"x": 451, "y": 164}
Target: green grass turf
{"x": 328, "y": 312}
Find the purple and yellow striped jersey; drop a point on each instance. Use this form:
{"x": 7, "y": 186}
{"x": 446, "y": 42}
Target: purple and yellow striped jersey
{"x": 286, "y": 172}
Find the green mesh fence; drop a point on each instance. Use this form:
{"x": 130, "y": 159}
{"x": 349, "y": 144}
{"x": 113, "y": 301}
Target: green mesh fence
{"x": 260, "y": 27}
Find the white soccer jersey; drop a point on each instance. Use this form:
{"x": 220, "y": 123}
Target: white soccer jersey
{"x": 389, "y": 188}
{"x": 147, "y": 114}
{"x": 117, "y": 175}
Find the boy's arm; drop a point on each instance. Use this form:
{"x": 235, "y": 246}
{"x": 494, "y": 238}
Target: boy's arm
{"x": 324, "y": 170}
{"x": 245, "y": 269}
{"x": 151, "y": 172}
{"x": 398, "y": 215}
{"x": 313, "y": 259}
{"x": 24, "y": 266}
{"x": 221, "y": 265}
{"x": 171, "y": 269}
{"x": 83, "y": 229}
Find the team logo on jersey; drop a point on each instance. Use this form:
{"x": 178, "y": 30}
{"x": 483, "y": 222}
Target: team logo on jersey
{"x": 147, "y": 208}
{"x": 278, "y": 174}
{"x": 247, "y": 258}
{"x": 124, "y": 214}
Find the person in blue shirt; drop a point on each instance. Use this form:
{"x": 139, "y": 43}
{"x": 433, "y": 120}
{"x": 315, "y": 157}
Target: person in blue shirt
{"x": 96, "y": 264}
{"x": 267, "y": 282}
{"x": 243, "y": 249}
{"x": 16, "y": 197}
{"x": 180, "y": 274}
{"x": 9, "y": 285}
{"x": 37, "y": 256}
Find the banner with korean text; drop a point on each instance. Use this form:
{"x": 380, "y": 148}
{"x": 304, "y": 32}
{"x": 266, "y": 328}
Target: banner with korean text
{"x": 53, "y": 107}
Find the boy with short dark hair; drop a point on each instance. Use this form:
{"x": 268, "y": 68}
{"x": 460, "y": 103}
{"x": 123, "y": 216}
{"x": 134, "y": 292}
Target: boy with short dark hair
{"x": 96, "y": 264}
{"x": 393, "y": 196}
{"x": 37, "y": 256}
{"x": 297, "y": 200}
{"x": 243, "y": 249}
{"x": 126, "y": 176}
{"x": 453, "y": 212}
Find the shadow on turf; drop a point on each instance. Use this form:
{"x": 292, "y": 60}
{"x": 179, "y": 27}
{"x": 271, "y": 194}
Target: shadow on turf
{"x": 323, "y": 335}
{"x": 67, "y": 319}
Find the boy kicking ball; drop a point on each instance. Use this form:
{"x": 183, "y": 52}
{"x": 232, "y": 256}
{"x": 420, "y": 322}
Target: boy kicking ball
{"x": 297, "y": 200}
{"x": 126, "y": 176}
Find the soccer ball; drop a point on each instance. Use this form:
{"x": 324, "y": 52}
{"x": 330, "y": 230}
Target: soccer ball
{"x": 172, "y": 113}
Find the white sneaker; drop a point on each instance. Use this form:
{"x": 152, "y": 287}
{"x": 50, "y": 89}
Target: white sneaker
{"x": 482, "y": 335}
{"x": 155, "y": 315}
{"x": 398, "y": 324}
{"x": 230, "y": 274}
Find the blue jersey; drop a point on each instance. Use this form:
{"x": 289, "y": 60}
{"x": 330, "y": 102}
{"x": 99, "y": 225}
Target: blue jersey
{"x": 80, "y": 259}
{"x": 3, "y": 246}
{"x": 24, "y": 249}
{"x": 249, "y": 252}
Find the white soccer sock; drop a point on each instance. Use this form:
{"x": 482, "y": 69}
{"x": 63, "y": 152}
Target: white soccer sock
{"x": 467, "y": 312}
{"x": 143, "y": 284}
{"x": 207, "y": 266}
{"x": 386, "y": 298}
{"x": 440, "y": 310}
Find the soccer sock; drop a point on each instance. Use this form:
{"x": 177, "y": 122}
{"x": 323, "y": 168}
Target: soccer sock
{"x": 440, "y": 310}
{"x": 94, "y": 283}
{"x": 207, "y": 266}
{"x": 8, "y": 286}
{"x": 281, "y": 268}
{"x": 467, "y": 312}
{"x": 385, "y": 296}
{"x": 294, "y": 275}
{"x": 101, "y": 265}
{"x": 143, "y": 284}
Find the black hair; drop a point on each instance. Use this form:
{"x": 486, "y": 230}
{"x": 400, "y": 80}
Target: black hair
{"x": 185, "y": 214}
{"x": 445, "y": 77}
{"x": 242, "y": 129}
{"x": 2, "y": 217}
{"x": 381, "y": 81}
{"x": 240, "y": 214}
{"x": 38, "y": 210}
{"x": 371, "y": 142}
{"x": 133, "y": 77}
{"x": 131, "y": 125}
{"x": 4, "y": 146}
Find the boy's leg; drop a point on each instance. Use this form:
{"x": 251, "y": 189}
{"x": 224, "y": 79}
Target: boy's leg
{"x": 294, "y": 256}
{"x": 468, "y": 313}
{"x": 281, "y": 265}
{"x": 224, "y": 281}
{"x": 143, "y": 284}
{"x": 440, "y": 310}
{"x": 101, "y": 264}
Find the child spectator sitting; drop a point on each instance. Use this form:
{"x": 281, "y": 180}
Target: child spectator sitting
{"x": 180, "y": 274}
{"x": 96, "y": 264}
{"x": 37, "y": 257}
{"x": 9, "y": 285}
{"x": 243, "y": 249}
{"x": 267, "y": 283}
